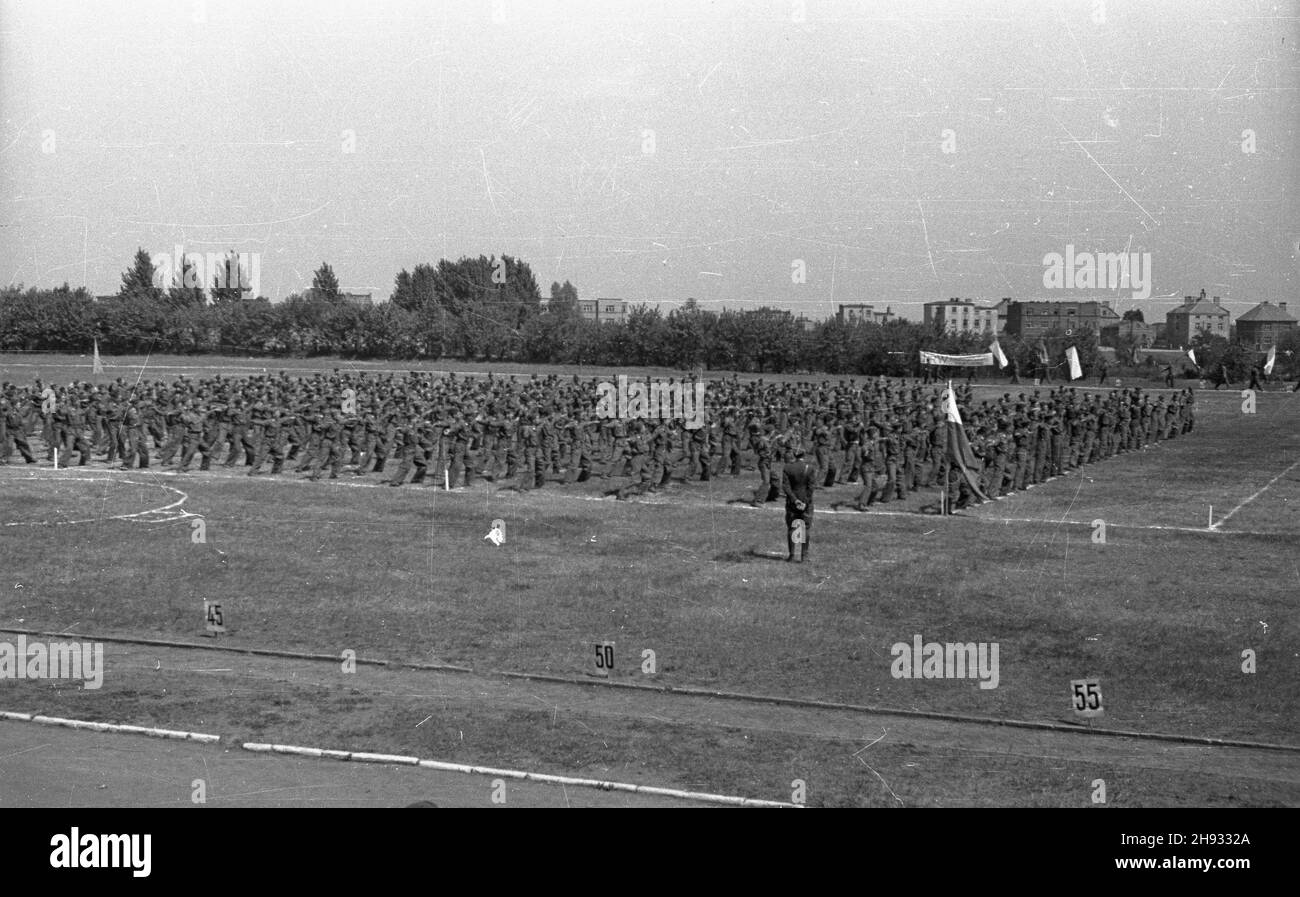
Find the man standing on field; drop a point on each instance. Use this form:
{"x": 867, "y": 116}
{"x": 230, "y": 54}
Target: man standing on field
{"x": 797, "y": 484}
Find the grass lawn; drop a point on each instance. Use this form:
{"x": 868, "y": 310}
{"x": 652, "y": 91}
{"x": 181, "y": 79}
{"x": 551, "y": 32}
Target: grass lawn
{"x": 1160, "y": 613}
{"x": 21, "y": 367}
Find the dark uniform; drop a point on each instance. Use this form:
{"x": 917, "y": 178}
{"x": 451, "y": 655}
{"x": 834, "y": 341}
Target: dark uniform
{"x": 797, "y": 481}
{"x": 642, "y": 471}
{"x": 13, "y": 433}
{"x": 136, "y": 448}
{"x": 762, "y": 444}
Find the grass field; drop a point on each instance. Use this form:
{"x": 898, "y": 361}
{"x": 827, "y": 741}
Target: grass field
{"x": 21, "y": 367}
{"x": 1160, "y": 612}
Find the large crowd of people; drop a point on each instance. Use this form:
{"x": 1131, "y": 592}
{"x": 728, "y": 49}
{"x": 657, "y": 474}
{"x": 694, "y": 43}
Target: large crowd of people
{"x": 889, "y": 436}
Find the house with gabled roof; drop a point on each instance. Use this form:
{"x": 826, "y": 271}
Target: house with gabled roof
{"x": 1196, "y": 315}
{"x": 1265, "y": 324}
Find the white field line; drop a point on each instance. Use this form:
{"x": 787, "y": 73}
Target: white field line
{"x": 1205, "y": 531}
{"x": 544, "y": 778}
{"x": 163, "y": 514}
{"x": 396, "y": 759}
{"x": 551, "y": 492}
{"x": 934, "y": 518}
{"x": 113, "y": 728}
{"x": 1242, "y": 504}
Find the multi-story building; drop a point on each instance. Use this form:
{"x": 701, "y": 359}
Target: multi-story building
{"x": 853, "y": 313}
{"x": 863, "y": 313}
{"x": 1196, "y": 315}
{"x": 1265, "y": 324}
{"x": 1028, "y": 320}
{"x": 962, "y": 316}
{"x": 603, "y": 310}
{"x": 363, "y": 299}
{"x": 1001, "y": 307}
{"x": 1135, "y": 333}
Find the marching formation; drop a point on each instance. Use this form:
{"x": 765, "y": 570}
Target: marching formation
{"x": 889, "y": 435}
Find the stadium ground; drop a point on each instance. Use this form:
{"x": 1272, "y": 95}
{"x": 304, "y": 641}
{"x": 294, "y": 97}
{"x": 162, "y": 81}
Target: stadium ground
{"x": 1160, "y": 613}
{"x": 22, "y": 366}
{"x": 64, "y": 768}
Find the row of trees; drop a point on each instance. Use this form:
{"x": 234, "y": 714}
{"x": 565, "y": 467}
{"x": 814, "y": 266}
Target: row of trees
{"x": 491, "y": 309}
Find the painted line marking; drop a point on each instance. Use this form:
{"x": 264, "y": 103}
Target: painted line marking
{"x": 543, "y": 778}
{"x": 168, "y": 513}
{"x": 1224, "y": 518}
{"x": 550, "y": 493}
{"x": 114, "y": 728}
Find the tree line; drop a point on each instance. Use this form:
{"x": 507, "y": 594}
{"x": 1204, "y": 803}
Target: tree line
{"x": 488, "y": 309}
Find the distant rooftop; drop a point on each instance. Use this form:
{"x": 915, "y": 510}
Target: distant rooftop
{"x": 1199, "y": 305}
{"x": 1267, "y": 311}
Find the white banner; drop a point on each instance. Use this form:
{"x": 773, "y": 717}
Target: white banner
{"x": 961, "y": 361}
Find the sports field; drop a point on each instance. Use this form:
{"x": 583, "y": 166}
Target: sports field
{"x": 1198, "y": 564}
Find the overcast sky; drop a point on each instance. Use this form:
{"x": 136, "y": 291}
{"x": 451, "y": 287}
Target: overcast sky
{"x": 654, "y": 151}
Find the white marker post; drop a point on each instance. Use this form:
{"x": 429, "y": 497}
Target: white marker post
{"x": 604, "y": 658}
{"x": 56, "y": 459}
{"x": 446, "y": 480}
{"x": 1086, "y": 699}
{"x": 214, "y": 620}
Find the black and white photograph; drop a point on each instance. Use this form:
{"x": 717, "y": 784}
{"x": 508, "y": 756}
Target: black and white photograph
{"x": 781, "y": 404}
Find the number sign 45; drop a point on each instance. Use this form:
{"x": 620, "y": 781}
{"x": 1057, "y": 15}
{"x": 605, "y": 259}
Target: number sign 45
{"x": 214, "y": 619}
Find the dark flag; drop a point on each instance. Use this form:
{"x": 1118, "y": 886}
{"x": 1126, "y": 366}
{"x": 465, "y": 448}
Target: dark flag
{"x": 959, "y": 450}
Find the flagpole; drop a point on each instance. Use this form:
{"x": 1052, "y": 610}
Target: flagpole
{"x": 948, "y": 462}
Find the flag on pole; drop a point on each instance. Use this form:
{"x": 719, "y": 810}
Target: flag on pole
{"x": 1076, "y": 369}
{"x": 1042, "y": 352}
{"x": 97, "y": 367}
{"x": 1272, "y": 360}
{"x": 959, "y": 450}
{"x": 998, "y": 354}
{"x": 1191, "y": 353}
{"x": 949, "y": 404}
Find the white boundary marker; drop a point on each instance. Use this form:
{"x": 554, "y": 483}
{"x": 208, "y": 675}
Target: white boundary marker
{"x": 1053, "y": 521}
{"x": 168, "y": 513}
{"x": 1224, "y": 518}
{"x": 544, "y": 778}
{"x": 395, "y": 759}
{"x": 176, "y": 513}
{"x": 110, "y": 727}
